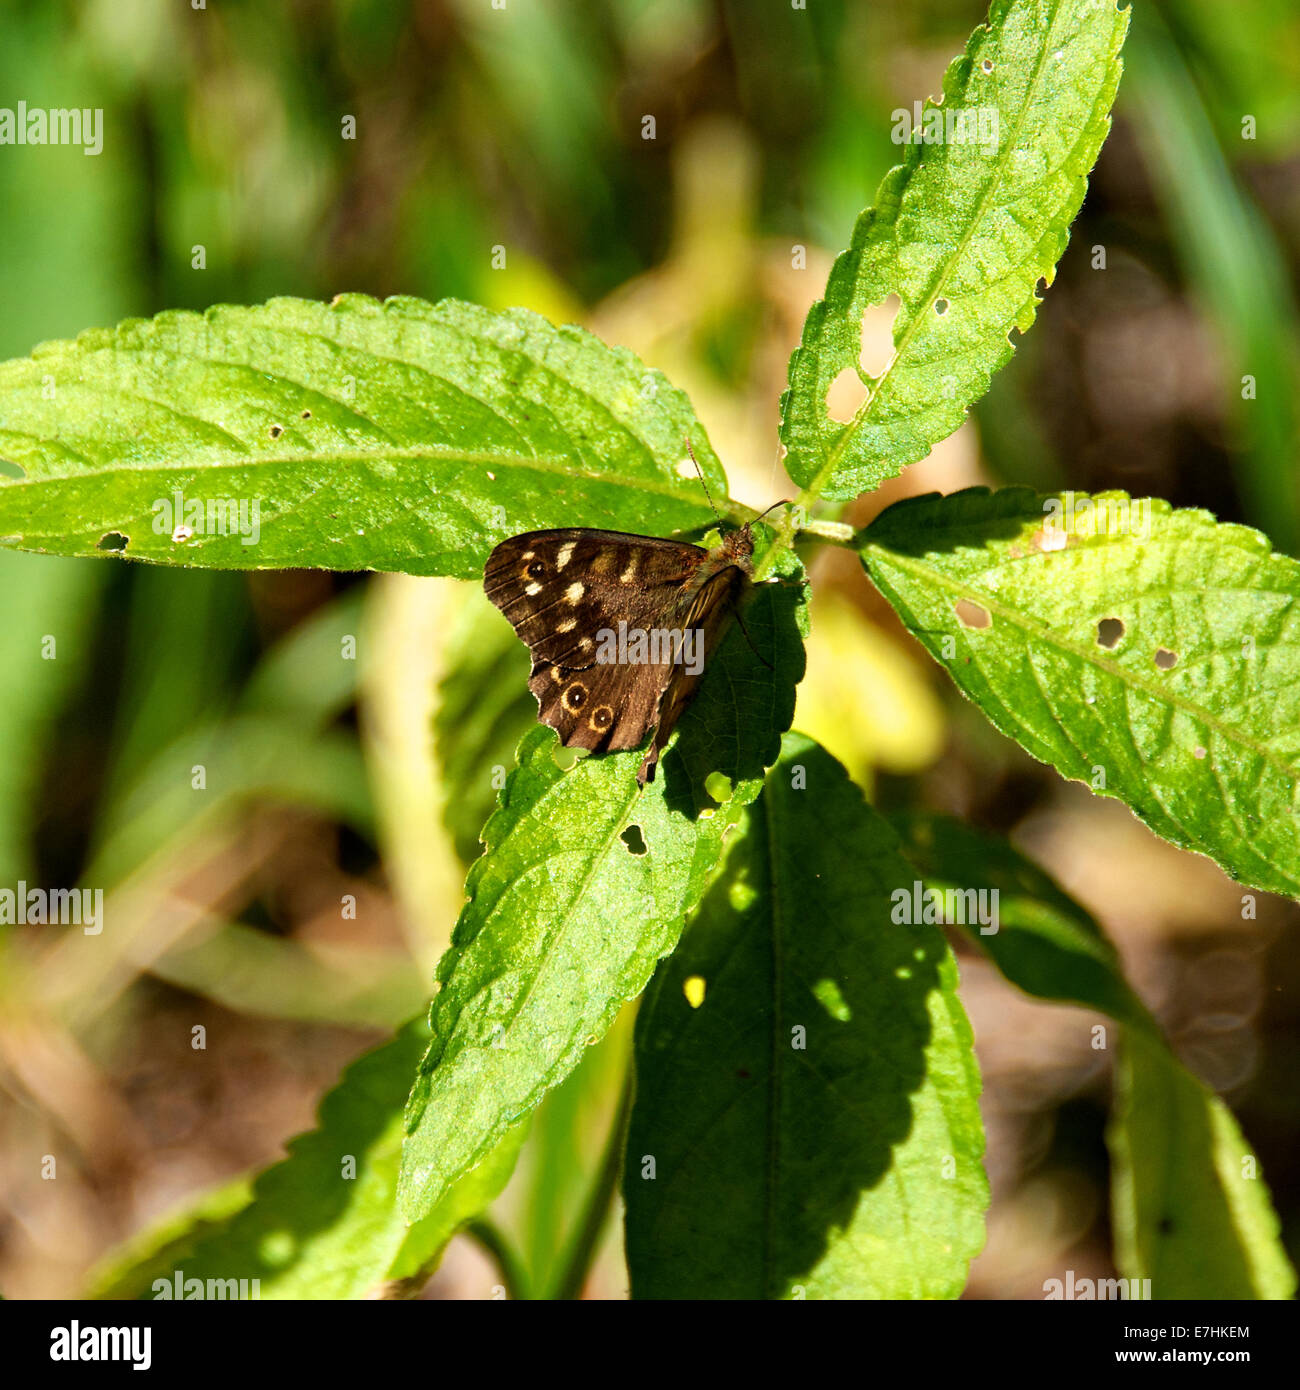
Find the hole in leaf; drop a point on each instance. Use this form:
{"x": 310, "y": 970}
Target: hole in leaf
{"x": 633, "y": 839}
{"x": 11, "y": 470}
{"x": 971, "y": 614}
{"x": 1109, "y": 631}
{"x": 940, "y": 306}
{"x": 845, "y": 397}
{"x": 986, "y": 66}
{"x": 306, "y": 415}
{"x": 276, "y": 431}
{"x": 685, "y": 469}
{"x": 566, "y": 758}
{"x": 1165, "y": 659}
{"x": 876, "y": 349}
{"x": 718, "y": 786}
{"x": 112, "y": 540}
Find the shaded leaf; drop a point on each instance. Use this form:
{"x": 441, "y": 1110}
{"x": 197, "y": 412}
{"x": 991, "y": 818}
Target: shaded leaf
{"x": 1190, "y": 1208}
{"x": 813, "y": 1121}
{"x": 310, "y": 1229}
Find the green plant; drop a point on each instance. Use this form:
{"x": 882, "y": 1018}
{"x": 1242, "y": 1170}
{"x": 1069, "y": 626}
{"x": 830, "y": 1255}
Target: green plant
{"x": 805, "y": 1118}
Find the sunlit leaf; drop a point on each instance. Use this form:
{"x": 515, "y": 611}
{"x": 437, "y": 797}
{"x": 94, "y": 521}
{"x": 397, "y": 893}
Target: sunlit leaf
{"x": 962, "y": 232}
{"x": 351, "y": 435}
{"x": 570, "y": 908}
{"x": 1151, "y": 653}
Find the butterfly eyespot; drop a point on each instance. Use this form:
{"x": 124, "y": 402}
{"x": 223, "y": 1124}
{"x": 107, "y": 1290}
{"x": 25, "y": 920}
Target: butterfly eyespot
{"x": 575, "y": 695}
{"x": 601, "y": 717}
{"x": 536, "y": 570}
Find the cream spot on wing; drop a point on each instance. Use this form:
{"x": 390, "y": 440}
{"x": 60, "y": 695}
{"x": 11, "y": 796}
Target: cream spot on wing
{"x": 628, "y": 574}
{"x": 567, "y": 625}
{"x": 602, "y": 561}
{"x": 585, "y": 644}
{"x": 528, "y": 554}
{"x": 556, "y": 674}
{"x": 532, "y": 590}
{"x": 574, "y": 592}
{"x": 565, "y": 554}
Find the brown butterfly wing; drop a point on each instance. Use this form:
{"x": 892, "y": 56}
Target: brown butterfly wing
{"x": 710, "y": 612}
{"x": 560, "y": 589}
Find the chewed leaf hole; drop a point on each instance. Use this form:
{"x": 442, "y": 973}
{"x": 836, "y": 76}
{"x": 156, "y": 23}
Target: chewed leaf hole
{"x": 971, "y": 614}
{"x": 112, "y": 540}
{"x": 633, "y": 839}
{"x": 718, "y": 786}
{"x": 1165, "y": 659}
{"x": 986, "y": 66}
{"x": 566, "y": 758}
{"x": 940, "y": 306}
{"x": 1109, "y": 631}
{"x": 686, "y": 469}
{"x": 276, "y": 431}
{"x": 11, "y": 470}
{"x": 306, "y": 415}
{"x": 845, "y": 397}
{"x": 876, "y": 345}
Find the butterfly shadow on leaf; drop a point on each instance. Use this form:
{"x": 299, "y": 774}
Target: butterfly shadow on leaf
{"x": 744, "y": 704}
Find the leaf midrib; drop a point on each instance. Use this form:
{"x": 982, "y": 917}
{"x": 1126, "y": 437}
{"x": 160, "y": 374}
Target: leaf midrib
{"x": 945, "y": 269}
{"x": 1027, "y": 624}
{"x": 539, "y": 463}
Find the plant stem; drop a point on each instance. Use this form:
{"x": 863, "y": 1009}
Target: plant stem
{"x": 494, "y": 1241}
{"x": 582, "y": 1248}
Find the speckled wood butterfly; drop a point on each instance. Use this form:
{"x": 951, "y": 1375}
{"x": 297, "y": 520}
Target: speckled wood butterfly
{"x": 619, "y": 627}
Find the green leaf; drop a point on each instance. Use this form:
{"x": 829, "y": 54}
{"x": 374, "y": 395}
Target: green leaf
{"x": 1190, "y": 1210}
{"x": 313, "y": 1231}
{"x": 395, "y": 436}
{"x": 840, "y": 1161}
{"x": 1044, "y": 941}
{"x": 484, "y": 709}
{"x": 962, "y": 232}
{"x": 566, "y": 918}
{"x": 1189, "y": 1205}
{"x": 1148, "y": 652}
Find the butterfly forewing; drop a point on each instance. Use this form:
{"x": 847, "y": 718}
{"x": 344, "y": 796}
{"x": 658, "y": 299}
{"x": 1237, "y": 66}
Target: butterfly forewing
{"x": 565, "y": 591}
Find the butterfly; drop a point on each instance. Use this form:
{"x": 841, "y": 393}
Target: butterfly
{"x": 619, "y": 627}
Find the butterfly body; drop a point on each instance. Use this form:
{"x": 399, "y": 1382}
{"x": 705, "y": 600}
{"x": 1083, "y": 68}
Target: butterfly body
{"x": 618, "y": 626}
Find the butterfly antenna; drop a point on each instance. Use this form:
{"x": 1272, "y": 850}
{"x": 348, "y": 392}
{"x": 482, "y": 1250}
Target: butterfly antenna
{"x": 703, "y": 484}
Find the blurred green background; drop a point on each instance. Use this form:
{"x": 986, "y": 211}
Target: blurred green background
{"x": 485, "y": 136}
